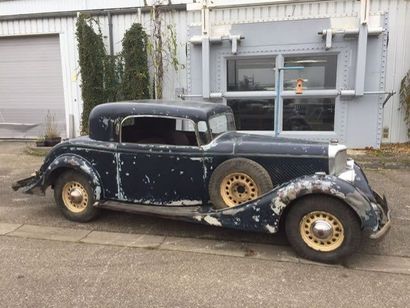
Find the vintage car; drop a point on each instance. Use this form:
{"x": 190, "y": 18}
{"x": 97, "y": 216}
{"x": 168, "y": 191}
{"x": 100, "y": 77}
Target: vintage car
{"x": 185, "y": 160}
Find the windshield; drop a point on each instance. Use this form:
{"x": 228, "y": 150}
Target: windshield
{"x": 221, "y": 123}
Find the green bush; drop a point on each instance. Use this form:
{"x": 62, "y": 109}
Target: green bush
{"x": 110, "y": 78}
{"x": 405, "y": 97}
{"x": 113, "y": 71}
{"x": 91, "y": 59}
{"x": 135, "y": 78}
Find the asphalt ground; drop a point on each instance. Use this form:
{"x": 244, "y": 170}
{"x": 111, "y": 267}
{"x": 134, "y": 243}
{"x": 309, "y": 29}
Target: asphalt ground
{"x": 188, "y": 264}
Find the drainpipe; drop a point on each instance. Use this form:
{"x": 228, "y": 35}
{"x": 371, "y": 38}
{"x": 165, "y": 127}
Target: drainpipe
{"x": 206, "y": 88}
{"x": 110, "y": 36}
{"x": 362, "y": 47}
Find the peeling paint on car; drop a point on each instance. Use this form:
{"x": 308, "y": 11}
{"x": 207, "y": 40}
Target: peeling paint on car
{"x": 271, "y": 229}
{"x": 212, "y": 221}
{"x": 174, "y": 180}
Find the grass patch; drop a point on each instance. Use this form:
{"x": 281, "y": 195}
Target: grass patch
{"x": 393, "y": 154}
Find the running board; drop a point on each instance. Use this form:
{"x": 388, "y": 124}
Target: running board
{"x": 173, "y": 212}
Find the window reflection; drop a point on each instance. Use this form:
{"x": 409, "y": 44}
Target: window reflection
{"x": 251, "y": 74}
{"x": 308, "y": 114}
{"x": 253, "y": 114}
{"x": 319, "y": 72}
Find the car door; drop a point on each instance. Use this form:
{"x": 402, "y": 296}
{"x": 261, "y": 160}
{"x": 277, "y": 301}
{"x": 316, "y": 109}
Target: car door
{"x": 160, "y": 174}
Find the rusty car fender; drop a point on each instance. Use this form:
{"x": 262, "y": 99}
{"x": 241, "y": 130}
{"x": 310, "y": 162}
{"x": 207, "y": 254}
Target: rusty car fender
{"x": 78, "y": 163}
{"x": 38, "y": 183}
{"x": 264, "y": 214}
{"x": 331, "y": 186}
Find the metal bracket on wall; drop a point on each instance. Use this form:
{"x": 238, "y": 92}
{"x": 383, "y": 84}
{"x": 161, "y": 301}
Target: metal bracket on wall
{"x": 328, "y": 34}
{"x": 347, "y": 93}
{"x": 389, "y": 95}
{"x": 235, "y": 39}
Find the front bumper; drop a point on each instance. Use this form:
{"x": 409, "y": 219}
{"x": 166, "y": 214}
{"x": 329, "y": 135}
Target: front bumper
{"x": 384, "y": 216}
{"x": 380, "y": 211}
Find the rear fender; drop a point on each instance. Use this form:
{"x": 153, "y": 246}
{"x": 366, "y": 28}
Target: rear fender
{"x": 74, "y": 162}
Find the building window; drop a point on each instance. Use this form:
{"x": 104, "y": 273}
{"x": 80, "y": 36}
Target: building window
{"x": 251, "y": 74}
{"x": 256, "y": 111}
{"x": 253, "y": 114}
{"x": 319, "y": 72}
{"x": 308, "y": 114}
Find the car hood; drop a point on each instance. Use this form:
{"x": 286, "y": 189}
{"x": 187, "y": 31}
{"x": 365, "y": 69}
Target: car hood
{"x": 244, "y": 144}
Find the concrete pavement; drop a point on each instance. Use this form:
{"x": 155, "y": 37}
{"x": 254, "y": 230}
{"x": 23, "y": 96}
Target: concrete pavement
{"x": 376, "y": 263}
{"x": 131, "y": 260}
{"x": 44, "y": 273}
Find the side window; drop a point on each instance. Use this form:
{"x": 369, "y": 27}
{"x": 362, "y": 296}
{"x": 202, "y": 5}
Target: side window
{"x": 203, "y": 133}
{"x": 157, "y": 130}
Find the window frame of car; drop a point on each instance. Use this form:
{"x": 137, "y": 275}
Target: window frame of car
{"x": 195, "y": 125}
{"x": 230, "y": 119}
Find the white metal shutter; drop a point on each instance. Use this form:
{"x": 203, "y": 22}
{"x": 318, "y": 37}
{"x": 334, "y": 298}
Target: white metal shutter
{"x": 30, "y": 86}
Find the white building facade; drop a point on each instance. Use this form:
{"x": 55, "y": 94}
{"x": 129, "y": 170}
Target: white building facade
{"x": 346, "y": 56}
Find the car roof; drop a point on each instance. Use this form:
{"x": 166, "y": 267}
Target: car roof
{"x": 185, "y": 109}
{"x": 103, "y": 116}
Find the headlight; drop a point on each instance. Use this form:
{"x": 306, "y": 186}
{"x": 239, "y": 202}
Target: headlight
{"x": 337, "y": 158}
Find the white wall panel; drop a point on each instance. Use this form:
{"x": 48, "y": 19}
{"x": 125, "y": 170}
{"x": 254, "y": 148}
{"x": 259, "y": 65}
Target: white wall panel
{"x": 398, "y": 49}
{"x": 13, "y": 7}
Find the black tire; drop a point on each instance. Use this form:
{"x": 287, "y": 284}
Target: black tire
{"x": 251, "y": 170}
{"x": 87, "y": 211}
{"x": 345, "y": 244}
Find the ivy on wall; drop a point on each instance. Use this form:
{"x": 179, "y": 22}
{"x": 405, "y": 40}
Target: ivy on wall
{"x": 162, "y": 48}
{"x": 405, "y": 97}
{"x": 111, "y": 78}
{"x": 135, "y": 78}
{"x": 113, "y": 74}
{"x": 91, "y": 59}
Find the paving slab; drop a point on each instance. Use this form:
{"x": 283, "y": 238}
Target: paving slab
{"x": 365, "y": 262}
{"x": 124, "y": 239}
{"x": 50, "y": 233}
{"x": 375, "y": 263}
{"x": 271, "y": 252}
{"x": 216, "y": 247}
{"x": 7, "y": 228}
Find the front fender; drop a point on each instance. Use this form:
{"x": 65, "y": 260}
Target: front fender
{"x": 263, "y": 214}
{"x": 331, "y": 186}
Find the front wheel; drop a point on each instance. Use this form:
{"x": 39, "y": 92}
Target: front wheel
{"x": 322, "y": 229}
{"x": 74, "y": 196}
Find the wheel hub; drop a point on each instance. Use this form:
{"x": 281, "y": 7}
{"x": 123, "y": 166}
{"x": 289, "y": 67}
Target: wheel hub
{"x": 237, "y": 188}
{"x": 321, "y": 231}
{"x": 76, "y": 195}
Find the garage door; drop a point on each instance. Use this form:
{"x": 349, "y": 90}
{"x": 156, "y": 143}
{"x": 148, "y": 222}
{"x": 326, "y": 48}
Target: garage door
{"x": 30, "y": 86}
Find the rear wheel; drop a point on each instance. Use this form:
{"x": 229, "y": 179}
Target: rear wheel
{"x": 237, "y": 181}
{"x": 323, "y": 229}
{"x": 74, "y": 196}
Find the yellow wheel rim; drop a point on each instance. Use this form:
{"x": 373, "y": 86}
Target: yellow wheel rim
{"x": 322, "y": 231}
{"x": 75, "y": 196}
{"x": 237, "y": 188}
